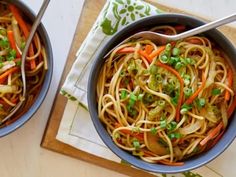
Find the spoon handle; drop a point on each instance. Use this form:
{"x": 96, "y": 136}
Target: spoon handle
{"x": 206, "y": 27}
{"x": 28, "y": 42}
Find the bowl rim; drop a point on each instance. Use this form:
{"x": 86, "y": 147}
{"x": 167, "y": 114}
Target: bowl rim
{"x": 191, "y": 164}
{"x": 48, "y": 77}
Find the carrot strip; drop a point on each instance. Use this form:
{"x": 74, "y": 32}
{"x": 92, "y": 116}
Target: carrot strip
{"x": 139, "y": 136}
{"x": 181, "y": 87}
{"x": 148, "y": 49}
{"x": 216, "y": 139}
{"x": 230, "y": 84}
{"x": 145, "y": 55}
{"x": 231, "y": 107}
{"x": 195, "y": 94}
{"x": 126, "y": 50}
{"x": 157, "y": 52}
{"x": 5, "y": 74}
{"x": 25, "y": 30}
{"x": 212, "y": 134}
{"x": 12, "y": 42}
{"x": 19, "y": 19}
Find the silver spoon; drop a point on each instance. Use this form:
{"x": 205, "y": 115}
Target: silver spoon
{"x": 23, "y": 58}
{"x": 162, "y": 39}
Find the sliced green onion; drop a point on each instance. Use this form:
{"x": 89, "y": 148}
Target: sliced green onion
{"x": 18, "y": 63}
{"x": 164, "y": 59}
{"x": 187, "y": 92}
{"x": 174, "y": 60}
{"x": 174, "y": 135}
{"x": 171, "y": 126}
{"x": 12, "y": 55}
{"x": 168, "y": 47}
{"x": 4, "y": 43}
{"x": 22, "y": 45}
{"x": 153, "y": 130}
{"x": 163, "y": 123}
{"x": 161, "y": 103}
{"x": 178, "y": 65}
{"x": 162, "y": 142}
{"x": 148, "y": 98}
{"x": 216, "y": 92}
{"x": 175, "y": 51}
{"x": 117, "y": 135}
{"x": 122, "y": 73}
{"x": 185, "y": 108}
{"x": 174, "y": 100}
{"x": 136, "y": 144}
{"x": 190, "y": 61}
{"x": 200, "y": 102}
{"x": 187, "y": 79}
{"x": 123, "y": 94}
{"x": 159, "y": 78}
{"x": 153, "y": 69}
{"x": 140, "y": 96}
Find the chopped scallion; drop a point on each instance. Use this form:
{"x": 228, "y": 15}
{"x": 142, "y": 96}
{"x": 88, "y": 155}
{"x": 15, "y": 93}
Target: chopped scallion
{"x": 216, "y": 91}
{"x": 175, "y": 51}
{"x": 136, "y": 144}
{"x": 153, "y": 130}
{"x": 123, "y": 94}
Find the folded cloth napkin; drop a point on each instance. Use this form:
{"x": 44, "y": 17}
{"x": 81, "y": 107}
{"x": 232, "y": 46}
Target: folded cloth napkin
{"x": 115, "y": 15}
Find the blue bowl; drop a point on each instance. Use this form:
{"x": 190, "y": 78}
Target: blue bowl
{"x": 147, "y": 23}
{"x": 46, "y": 84}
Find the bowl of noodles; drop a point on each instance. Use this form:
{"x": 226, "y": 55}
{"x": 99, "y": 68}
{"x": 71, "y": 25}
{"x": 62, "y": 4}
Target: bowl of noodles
{"x": 167, "y": 108}
{"x": 15, "y": 23}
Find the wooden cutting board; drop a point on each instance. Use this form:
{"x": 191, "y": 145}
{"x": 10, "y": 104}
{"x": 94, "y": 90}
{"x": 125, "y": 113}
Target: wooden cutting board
{"x": 89, "y": 14}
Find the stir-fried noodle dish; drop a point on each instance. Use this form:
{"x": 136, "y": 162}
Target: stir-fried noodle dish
{"x": 14, "y": 30}
{"x": 166, "y": 103}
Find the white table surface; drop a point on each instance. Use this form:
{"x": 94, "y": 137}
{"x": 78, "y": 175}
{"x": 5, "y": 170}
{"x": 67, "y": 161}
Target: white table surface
{"x": 20, "y": 152}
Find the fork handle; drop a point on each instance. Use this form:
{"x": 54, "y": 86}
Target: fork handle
{"x": 206, "y": 27}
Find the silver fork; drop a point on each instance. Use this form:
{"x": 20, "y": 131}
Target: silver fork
{"x": 161, "y": 39}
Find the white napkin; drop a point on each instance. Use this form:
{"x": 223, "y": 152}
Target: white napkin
{"x": 115, "y": 15}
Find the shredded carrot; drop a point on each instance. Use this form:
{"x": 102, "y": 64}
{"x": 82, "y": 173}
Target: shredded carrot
{"x": 145, "y": 55}
{"x": 157, "y": 52}
{"x": 181, "y": 87}
{"x": 212, "y": 134}
{"x": 126, "y": 50}
{"x": 5, "y": 74}
{"x": 10, "y": 36}
{"x": 139, "y": 136}
{"x": 217, "y": 139}
{"x": 230, "y": 83}
{"x": 231, "y": 107}
{"x": 25, "y": 30}
{"x": 148, "y": 49}
{"x": 165, "y": 162}
{"x": 19, "y": 19}
{"x": 195, "y": 94}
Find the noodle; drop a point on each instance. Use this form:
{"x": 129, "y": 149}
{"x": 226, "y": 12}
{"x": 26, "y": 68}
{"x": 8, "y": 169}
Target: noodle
{"x": 140, "y": 97}
{"x": 14, "y": 29}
